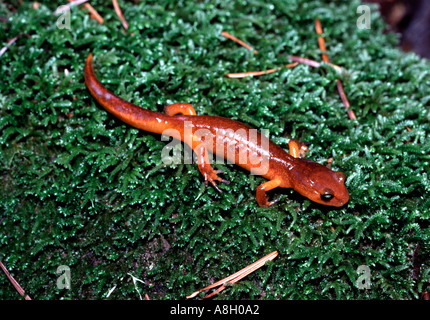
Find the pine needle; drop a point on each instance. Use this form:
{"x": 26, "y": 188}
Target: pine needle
{"x": 119, "y": 14}
{"x": 243, "y": 44}
{"x": 258, "y": 73}
{"x": 321, "y": 43}
{"x": 93, "y": 13}
{"x": 14, "y": 282}
{"x": 236, "y": 276}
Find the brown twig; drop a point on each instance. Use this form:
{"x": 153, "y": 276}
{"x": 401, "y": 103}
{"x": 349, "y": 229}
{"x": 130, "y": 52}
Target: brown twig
{"x": 231, "y": 37}
{"x": 119, "y": 14}
{"x": 10, "y": 42}
{"x": 236, "y": 276}
{"x": 309, "y": 62}
{"x": 321, "y": 43}
{"x": 14, "y": 282}
{"x": 313, "y": 63}
{"x": 345, "y": 101}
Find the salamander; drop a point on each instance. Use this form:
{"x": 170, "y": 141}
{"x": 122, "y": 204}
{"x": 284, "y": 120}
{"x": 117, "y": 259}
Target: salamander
{"x": 232, "y": 140}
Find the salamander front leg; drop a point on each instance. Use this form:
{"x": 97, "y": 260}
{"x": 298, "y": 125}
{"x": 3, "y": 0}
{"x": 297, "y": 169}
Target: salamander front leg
{"x": 297, "y": 149}
{"x": 206, "y": 170}
{"x": 179, "y": 108}
{"x": 261, "y": 192}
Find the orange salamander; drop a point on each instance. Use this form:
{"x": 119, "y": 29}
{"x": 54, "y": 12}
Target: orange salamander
{"x": 259, "y": 155}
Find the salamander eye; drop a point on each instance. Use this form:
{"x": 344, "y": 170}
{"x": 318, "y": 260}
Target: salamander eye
{"x": 327, "y": 195}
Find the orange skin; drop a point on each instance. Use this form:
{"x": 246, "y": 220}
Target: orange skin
{"x": 310, "y": 179}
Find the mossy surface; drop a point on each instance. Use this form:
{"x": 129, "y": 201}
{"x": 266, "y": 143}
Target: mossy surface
{"x": 82, "y": 189}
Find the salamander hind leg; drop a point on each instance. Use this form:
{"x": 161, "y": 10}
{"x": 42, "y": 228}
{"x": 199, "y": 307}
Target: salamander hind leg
{"x": 210, "y": 174}
{"x": 261, "y": 192}
{"x": 179, "y": 108}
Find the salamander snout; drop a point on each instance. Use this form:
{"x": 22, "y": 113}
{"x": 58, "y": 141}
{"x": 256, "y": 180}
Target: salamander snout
{"x": 332, "y": 191}
{"x": 320, "y": 184}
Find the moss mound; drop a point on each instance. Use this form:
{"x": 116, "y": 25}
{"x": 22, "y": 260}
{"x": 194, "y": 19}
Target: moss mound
{"x": 82, "y": 189}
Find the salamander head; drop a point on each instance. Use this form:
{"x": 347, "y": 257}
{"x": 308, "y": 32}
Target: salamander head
{"x": 320, "y": 184}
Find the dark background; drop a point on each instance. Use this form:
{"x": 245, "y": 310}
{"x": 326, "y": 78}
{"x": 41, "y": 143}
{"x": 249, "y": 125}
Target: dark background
{"x": 410, "y": 18}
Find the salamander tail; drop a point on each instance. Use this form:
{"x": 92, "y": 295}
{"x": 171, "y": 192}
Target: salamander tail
{"x": 131, "y": 114}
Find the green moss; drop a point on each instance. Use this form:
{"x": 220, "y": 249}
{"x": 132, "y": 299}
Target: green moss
{"x": 80, "y": 188}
